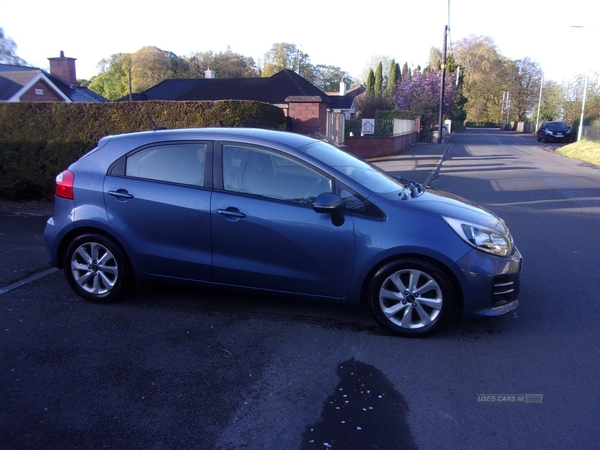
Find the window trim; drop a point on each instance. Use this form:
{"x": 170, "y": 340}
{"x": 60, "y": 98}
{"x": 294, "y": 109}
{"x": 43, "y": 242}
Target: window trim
{"x": 118, "y": 167}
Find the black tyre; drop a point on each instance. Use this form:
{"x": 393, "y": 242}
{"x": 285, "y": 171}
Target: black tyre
{"x": 96, "y": 268}
{"x": 410, "y": 297}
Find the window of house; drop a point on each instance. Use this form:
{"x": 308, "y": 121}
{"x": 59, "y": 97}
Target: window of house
{"x": 268, "y": 174}
{"x": 39, "y": 92}
{"x": 176, "y": 163}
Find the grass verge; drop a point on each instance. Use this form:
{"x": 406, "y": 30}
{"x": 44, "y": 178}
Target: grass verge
{"x": 584, "y": 150}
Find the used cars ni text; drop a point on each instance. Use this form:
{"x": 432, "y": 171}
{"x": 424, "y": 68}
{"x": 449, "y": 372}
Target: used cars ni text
{"x": 279, "y": 212}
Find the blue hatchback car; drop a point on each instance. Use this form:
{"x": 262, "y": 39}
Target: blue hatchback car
{"x": 277, "y": 212}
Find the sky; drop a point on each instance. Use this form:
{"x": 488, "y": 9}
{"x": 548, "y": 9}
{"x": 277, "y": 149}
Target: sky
{"x": 343, "y": 34}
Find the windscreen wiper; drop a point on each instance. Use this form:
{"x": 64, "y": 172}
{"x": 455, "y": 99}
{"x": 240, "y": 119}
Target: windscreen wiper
{"x": 412, "y": 189}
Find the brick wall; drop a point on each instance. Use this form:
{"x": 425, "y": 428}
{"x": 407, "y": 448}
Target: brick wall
{"x": 308, "y": 117}
{"x": 44, "y": 94}
{"x": 371, "y": 147}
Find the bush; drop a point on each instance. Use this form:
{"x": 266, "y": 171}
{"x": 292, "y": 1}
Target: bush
{"x": 39, "y": 140}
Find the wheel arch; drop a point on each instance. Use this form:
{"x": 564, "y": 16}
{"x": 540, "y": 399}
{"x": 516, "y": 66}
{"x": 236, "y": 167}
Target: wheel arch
{"x": 456, "y": 286}
{"x": 80, "y": 231}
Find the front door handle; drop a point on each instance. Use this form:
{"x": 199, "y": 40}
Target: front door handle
{"x": 232, "y": 213}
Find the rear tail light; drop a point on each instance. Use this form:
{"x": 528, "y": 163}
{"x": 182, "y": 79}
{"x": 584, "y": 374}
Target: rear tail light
{"x": 64, "y": 184}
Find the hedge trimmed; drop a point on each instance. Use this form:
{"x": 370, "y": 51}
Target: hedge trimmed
{"x": 39, "y": 140}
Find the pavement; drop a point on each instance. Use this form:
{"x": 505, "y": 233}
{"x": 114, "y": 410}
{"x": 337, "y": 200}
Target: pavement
{"x": 420, "y": 162}
{"x": 22, "y": 224}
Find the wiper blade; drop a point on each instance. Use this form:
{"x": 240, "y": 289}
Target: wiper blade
{"x": 412, "y": 189}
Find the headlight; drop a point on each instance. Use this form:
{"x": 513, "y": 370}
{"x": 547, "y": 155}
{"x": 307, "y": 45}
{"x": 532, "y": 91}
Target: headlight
{"x": 480, "y": 237}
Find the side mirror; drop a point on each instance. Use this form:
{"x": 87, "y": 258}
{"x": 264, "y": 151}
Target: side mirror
{"x": 332, "y": 204}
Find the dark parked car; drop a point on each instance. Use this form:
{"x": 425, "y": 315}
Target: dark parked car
{"x": 276, "y": 212}
{"x": 554, "y": 132}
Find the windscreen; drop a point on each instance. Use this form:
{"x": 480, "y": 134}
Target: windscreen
{"x": 360, "y": 171}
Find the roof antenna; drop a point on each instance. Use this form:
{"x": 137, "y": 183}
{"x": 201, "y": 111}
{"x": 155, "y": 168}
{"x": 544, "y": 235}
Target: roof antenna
{"x": 156, "y": 127}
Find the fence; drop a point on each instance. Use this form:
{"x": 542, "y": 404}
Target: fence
{"x": 591, "y": 133}
{"x": 382, "y": 128}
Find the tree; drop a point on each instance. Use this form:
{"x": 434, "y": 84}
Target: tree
{"x": 328, "y": 78}
{"x": 370, "y": 88}
{"x": 525, "y": 78}
{"x": 8, "y": 51}
{"x": 393, "y": 77}
{"x": 484, "y": 71}
{"x": 421, "y": 94}
{"x": 283, "y": 56}
{"x": 369, "y": 105}
{"x": 149, "y": 66}
{"x": 372, "y": 64}
{"x": 573, "y": 98}
{"x": 225, "y": 64}
{"x": 113, "y": 80}
{"x": 406, "y": 73}
{"x": 379, "y": 79}
{"x": 551, "y": 105}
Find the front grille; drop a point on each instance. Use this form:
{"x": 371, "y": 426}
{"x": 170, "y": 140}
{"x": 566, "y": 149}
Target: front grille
{"x": 503, "y": 290}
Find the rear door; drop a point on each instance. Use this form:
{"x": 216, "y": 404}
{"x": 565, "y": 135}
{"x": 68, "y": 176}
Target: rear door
{"x": 158, "y": 198}
{"x": 265, "y": 231}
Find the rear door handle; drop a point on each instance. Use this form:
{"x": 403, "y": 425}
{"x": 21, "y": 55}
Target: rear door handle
{"x": 121, "y": 194}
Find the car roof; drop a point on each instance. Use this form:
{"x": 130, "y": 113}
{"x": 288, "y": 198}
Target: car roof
{"x": 110, "y": 148}
{"x": 255, "y": 135}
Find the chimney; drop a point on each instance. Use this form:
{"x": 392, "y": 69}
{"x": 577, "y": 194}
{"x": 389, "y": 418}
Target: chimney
{"x": 342, "y": 87}
{"x": 64, "y": 68}
{"x": 209, "y": 73}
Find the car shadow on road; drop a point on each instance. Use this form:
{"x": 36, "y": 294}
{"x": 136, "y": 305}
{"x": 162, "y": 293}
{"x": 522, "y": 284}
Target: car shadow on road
{"x": 290, "y": 309}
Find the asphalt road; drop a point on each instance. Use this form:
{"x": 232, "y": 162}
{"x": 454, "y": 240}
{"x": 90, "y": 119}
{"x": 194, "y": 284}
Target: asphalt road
{"x": 171, "y": 367}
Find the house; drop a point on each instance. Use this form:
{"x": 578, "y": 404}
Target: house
{"x": 346, "y": 101}
{"x": 306, "y": 105}
{"x": 30, "y": 84}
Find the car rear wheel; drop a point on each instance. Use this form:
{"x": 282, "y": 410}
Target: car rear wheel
{"x": 96, "y": 268}
{"x": 410, "y": 297}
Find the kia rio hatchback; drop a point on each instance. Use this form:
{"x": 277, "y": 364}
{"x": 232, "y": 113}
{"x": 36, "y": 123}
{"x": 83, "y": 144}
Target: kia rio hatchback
{"x": 278, "y": 212}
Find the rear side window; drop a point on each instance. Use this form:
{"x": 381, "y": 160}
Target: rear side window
{"x": 174, "y": 163}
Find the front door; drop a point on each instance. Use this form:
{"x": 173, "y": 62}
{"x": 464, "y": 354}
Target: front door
{"x": 265, "y": 231}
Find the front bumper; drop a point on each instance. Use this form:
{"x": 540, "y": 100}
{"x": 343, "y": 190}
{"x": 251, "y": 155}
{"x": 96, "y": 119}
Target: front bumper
{"x": 491, "y": 284}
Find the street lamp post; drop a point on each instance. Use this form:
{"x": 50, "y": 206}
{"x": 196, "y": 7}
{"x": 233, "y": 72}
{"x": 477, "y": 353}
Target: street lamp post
{"x": 580, "y": 130}
{"x": 582, "y": 107}
{"x": 537, "y": 121}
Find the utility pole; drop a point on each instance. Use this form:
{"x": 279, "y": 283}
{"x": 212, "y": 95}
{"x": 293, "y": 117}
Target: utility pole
{"x": 441, "y": 118}
{"x": 539, "y": 104}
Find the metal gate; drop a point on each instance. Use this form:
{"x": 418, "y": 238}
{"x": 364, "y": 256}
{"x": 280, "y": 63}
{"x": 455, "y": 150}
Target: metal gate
{"x": 335, "y": 127}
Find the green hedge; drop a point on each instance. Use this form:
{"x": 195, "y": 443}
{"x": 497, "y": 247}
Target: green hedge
{"x": 482, "y": 124}
{"x": 39, "y": 140}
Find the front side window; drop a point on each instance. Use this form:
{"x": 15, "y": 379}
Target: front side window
{"x": 268, "y": 174}
{"x": 368, "y": 175}
{"x": 174, "y": 163}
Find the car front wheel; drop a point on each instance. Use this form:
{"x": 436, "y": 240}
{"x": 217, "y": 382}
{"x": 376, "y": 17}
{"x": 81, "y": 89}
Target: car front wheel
{"x": 96, "y": 268}
{"x": 410, "y": 297}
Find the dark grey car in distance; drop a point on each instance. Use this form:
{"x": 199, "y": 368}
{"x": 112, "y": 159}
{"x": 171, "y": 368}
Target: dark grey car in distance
{"x": 553, "y": 131}
{"x": 281, "y": 213}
